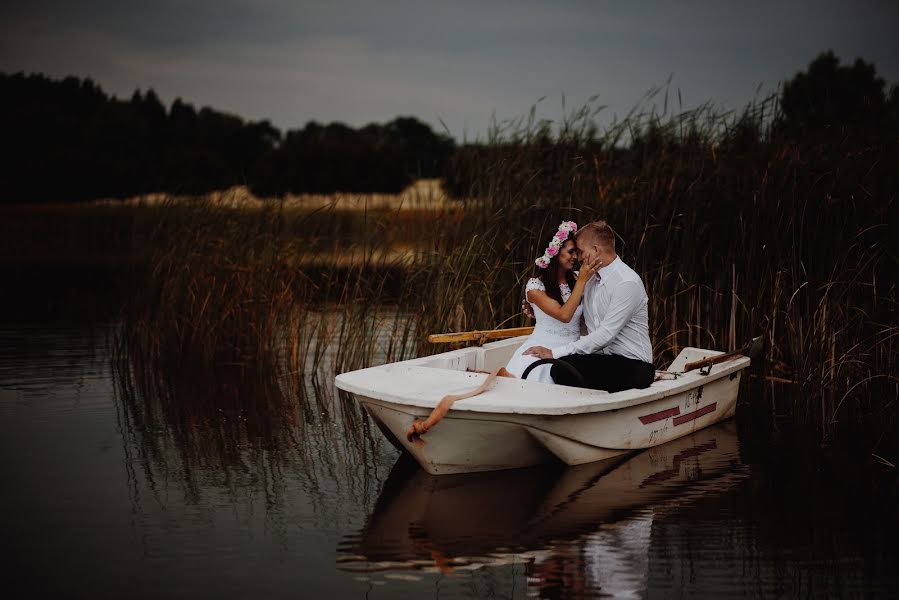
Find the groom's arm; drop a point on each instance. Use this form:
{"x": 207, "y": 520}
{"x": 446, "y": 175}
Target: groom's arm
{"x": 626, "y": 299}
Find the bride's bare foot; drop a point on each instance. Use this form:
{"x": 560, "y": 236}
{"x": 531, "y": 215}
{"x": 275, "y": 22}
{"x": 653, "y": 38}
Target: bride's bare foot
{"x": 504, "y": 373}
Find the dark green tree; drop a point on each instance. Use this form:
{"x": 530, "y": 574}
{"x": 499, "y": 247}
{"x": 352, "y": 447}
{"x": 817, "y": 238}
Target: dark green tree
{"x": 833, "y": 101}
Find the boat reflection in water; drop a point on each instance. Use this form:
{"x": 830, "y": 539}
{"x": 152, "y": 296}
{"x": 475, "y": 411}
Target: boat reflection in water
{"x": 583, "y": 529}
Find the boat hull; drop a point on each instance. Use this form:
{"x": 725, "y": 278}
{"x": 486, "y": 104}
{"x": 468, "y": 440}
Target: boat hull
{"x": 468, "y": 441}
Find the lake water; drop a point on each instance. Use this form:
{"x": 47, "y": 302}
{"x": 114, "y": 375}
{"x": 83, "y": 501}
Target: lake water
{"x": 126, "y": 480}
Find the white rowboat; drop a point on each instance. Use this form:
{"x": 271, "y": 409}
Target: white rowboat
{"x": 519, "y": 423}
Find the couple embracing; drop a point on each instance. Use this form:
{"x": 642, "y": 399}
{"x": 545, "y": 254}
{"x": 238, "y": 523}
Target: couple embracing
{"x": 606, "y": 294}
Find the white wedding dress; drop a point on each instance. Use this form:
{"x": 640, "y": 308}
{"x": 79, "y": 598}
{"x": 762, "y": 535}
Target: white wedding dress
{"x": 548, "y": 332}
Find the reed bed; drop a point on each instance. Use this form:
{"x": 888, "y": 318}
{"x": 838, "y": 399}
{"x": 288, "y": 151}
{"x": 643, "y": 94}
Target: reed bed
{"x": 736, "y": 230}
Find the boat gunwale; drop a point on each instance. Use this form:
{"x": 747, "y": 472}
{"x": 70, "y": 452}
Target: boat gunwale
{"x": 495, "y": 400}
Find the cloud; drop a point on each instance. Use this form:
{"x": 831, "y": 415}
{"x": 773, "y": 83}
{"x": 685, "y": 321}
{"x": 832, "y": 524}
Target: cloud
{"x": 457, "y": 62}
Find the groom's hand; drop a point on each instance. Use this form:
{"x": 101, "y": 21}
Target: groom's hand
{"x": 539, "y": 352}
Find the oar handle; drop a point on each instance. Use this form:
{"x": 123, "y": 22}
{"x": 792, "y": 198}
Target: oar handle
{"x": 471, "y": 336}
{"x": 712, "y": 360}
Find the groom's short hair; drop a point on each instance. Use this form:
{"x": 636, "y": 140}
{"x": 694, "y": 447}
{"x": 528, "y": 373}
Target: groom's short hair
{"x": 599, "y": 233}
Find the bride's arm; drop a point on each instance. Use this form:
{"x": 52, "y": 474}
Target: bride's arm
{"x": 564, "y": 312}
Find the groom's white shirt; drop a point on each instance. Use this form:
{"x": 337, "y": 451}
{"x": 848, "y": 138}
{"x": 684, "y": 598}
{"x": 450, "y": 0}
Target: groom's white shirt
{"x": 616, "y": 315}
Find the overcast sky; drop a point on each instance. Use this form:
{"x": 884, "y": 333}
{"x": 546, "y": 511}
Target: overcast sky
{"x": 455, "y": 61}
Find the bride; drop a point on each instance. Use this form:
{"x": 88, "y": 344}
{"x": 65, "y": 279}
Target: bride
{"x": 554, "y": 294}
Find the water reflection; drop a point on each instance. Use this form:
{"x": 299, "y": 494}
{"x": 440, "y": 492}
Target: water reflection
{"x": 226, "y": 425}
{"x": 167, "y": 479}
{"x": 37, "y": 361}
{"x": 581, "y": 530}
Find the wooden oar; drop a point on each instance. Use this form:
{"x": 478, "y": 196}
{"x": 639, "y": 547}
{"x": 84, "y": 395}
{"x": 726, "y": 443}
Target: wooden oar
{"x": 479, "y": 336}
{"x": 753, "y": 349}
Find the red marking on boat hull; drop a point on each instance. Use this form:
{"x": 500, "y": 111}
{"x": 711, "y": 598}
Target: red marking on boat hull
{"x": 695, "y": 414}
{"x": 678, "y": 459}
{"x": 658, "y": 416}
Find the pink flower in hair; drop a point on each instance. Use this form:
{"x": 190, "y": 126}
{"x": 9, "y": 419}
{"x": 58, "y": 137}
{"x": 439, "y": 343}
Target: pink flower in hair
{"x": 565, "y": 231}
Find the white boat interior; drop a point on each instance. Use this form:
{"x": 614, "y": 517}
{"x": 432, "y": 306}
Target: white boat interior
{"x": 424, "y": 381}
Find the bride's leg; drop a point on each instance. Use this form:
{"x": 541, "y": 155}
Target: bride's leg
{"x": 504, "y": 373}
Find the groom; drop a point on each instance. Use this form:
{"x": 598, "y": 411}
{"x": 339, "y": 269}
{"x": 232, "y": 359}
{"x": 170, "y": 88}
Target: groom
{"x": 616, "y": 353}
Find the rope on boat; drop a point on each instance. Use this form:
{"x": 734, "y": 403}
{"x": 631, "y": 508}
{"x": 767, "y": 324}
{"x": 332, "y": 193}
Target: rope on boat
{"x": 419, "y": 428}
{"x": 578, "y": 378}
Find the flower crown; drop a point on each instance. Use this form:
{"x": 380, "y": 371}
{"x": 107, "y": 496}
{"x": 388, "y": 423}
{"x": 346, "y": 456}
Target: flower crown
{"x": 566, "y": 229}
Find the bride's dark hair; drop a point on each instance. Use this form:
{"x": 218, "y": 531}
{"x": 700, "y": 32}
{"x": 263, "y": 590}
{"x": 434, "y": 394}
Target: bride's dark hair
{"x": 550, "y": 275}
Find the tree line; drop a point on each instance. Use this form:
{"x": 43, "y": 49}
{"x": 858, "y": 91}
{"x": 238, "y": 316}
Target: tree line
{"x": 68, "y": 140}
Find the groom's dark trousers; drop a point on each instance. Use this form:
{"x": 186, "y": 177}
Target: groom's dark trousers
{"x": 605, "y": 372}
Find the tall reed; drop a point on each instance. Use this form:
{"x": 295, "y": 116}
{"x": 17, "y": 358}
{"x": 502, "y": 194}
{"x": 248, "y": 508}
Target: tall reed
{"x": 735, "y": 230}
